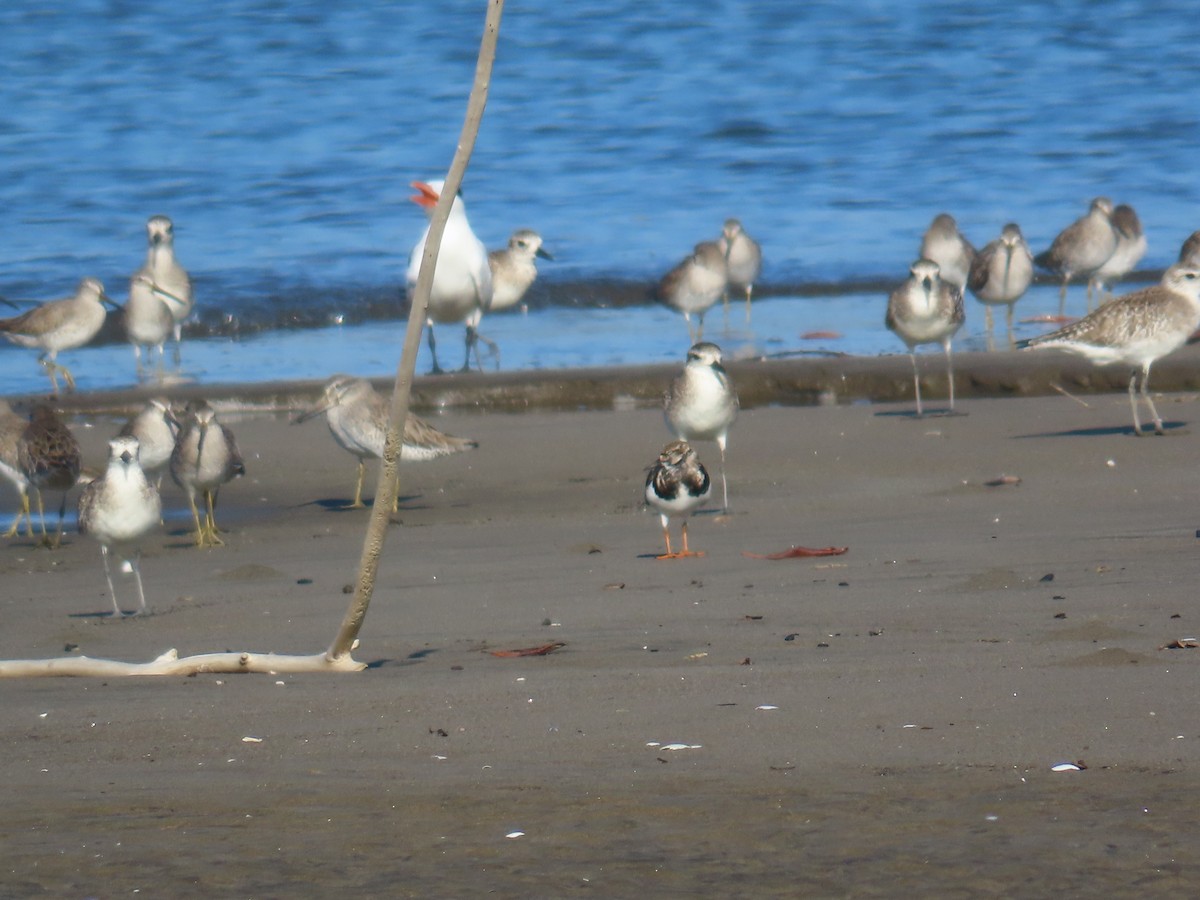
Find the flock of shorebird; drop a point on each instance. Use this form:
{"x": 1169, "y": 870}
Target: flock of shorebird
{"x": 120, "y": 507}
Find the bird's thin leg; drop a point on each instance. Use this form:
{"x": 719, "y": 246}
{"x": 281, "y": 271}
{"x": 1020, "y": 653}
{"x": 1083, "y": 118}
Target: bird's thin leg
{"x": 137, "y": 362}
{"x": 200, "y": 538}
{"x": 23, "y": 513}
{"x": 721, "y": 440}
{"x": 436, "y": 370}
{"x": 950, "y": 370}
{"x": 41, "y": 514}
{"x": 50, "y": 370}
{"x": 916, "y": 382}
{"x": 699, "y": 328}
{"x": 1137, "y": 425}
{"x": 362, "y": 470}
{"x": 62, "y": 513}
{"x": 1158, "y": 423}
{"x": 112, "y": 592}
{"x": 135, "y": 563}
{"x": 725, "y": 304}
{"x": 686, "y": 552}
{"x": 210, "y": 501}
{"x": 667, "y": 540}
{"x": 749, "y": 291}
{"x": 988, "y": 328}
{"x": 176, "y": 352}
{"x": 1008, "y": 323}
{"x": 493, "y": 350}
{"x": 1062, "y": 298}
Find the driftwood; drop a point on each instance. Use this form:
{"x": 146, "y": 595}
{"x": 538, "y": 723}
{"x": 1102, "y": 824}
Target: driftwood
{"x": 337, "y": 658}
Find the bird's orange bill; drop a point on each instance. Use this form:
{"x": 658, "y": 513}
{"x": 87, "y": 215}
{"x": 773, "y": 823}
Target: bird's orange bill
{"x": 427, "y": 197}
{"x": 529, "y": 651}
{"x": 797, "y": 552}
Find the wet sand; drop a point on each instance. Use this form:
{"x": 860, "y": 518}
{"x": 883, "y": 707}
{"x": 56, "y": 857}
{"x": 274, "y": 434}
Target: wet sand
{"x": 877, "y": 724}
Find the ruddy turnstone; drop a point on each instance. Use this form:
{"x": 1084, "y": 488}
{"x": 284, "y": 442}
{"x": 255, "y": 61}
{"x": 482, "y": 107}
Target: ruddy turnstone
{"x": 743, "y": 261}
{"x": 205, "y": 457}
{"x": 1136, "y": 329}
{"x": 945, "y": 245}
{"x": 693, "y": 286}
{"x": 701, "y": 403}
{"x": 926, "y": 310}
{"x": 160, "y": 295}
{"x": 49, "y": 457}
{"x": 514, "y": 269}
{"x": 357, "y": 416}
{"x": 675, "y": 486}
{"x": 60, "y": 325}
{"x": 1081, "y": 248}
{"x": 1000, "y": 274}
{"x": 462, "y": 282}
{"x": 119, "y": 509}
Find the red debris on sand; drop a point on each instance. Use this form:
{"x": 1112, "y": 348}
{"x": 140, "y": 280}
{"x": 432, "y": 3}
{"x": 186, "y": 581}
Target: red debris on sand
{"x": 821, "y": 336}
{"x": 797, "y": 552}
{"x": 529, "y": 651}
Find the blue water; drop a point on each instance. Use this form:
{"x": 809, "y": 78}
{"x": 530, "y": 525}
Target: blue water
{"x": 281, "y": 138}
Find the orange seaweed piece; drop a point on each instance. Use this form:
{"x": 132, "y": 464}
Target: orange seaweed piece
{"x": 797, "y": 553}
{"x": 529, "y": 651}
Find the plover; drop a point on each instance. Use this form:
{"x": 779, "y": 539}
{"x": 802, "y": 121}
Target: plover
{"x": 119, "y": 509}
{"x": 701, "y": 403}
{"x": 462, "y": 282}
{"x": 49, "y": 457}
{"x": 1081, "y": 248}
{"x": 693, "y": 286}
{"x": 514, "y": 269}
{"x": 676, "y": 485}
{"x": 160, "y": 295}
{"x": 205, "y": 457}
{"x": 1000, "y": 274}
{"x": 1131, "y": 247}
{"x": 945, "y": 245}
{"x": 926, "y": 310}
{"x": 60, "y": 325}
{"x": 357, "y": 416}
{"x": 156, "y": 429}
{"x": 1189, "y": 251}
{"x": 743, "y": 261}
{"x": 1136, "y": 329}
{"x": 12, "y": 427}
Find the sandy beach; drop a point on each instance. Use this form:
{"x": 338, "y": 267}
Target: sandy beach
{"x": 878, "y": 724}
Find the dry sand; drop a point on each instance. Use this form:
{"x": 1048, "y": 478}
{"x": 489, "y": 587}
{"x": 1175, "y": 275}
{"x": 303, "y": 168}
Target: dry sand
{"x": 878, "y": 724}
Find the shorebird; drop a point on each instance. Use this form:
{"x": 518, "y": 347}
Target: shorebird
{"x": 1131, "y": 247}
{"x": 1000, "y": 274}
{"x": 156, "y": 429}
{"x": 205, "y": 457}
{"x": 701, "y": 403}
{"x": 1136, "y": 329}
{"x": 945, "y": 245}
{"x": 49, "y": 457}
{"x": 12, "y": 427}
{"x": 357, "y": 417}
{"x": 514, "y": 269}
{"x": 676, "y": 485}
{"x": 160, "y": 295}
{"x": 1189, "y": 251}
{"x": 462, "y": 281}
{"x": 926, "y": 310}
{"x": 696, "y": 284}
{"x": 60, "y": 325}
{"x": 1081, "y": 248}
{"x": 743, "y": 261}
{"x": 118, "y": 509}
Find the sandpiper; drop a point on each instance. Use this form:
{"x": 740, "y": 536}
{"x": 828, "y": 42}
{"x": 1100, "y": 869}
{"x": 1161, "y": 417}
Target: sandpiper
{"x": 676, "y": 485}
{"x": 701, "y": 403}
{"x": 156, "y": 429}
{"x": 1136, "y": 329}
{"x": 205, "y": 457}
{"x": 60, "y": 325}
{"x": 945, "y": 245}
{"x": 160, "y": 295}
{"x": 926, "y": 310}
{"x": 1131, "y": 247}
{"x": 1081, "y": 248}
{"x": 514, "y": 269}
{"x": 1000, "y": 274}
{"x": 12, "y": 427}
{"x": 357, "y": 416}
{"x": 462, "y": 282}
{"x": 1189, "y": 251}
{"x": 743, "y": 261}
{"x": 696, "y": 284}
{"x": 119, "y": 509}
{"x": 49, "y": 457}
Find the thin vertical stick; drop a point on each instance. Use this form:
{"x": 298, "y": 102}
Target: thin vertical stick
{"x": 388, "y": 485}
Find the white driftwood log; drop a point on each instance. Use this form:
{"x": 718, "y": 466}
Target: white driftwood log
{"x": 171, "y": 664}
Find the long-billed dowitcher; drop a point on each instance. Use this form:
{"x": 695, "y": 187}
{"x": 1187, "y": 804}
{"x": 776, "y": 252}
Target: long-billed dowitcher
{"x": 119, "y": 509}
{"x": 926, "y": 310}
{"x": 1136, "y": 329}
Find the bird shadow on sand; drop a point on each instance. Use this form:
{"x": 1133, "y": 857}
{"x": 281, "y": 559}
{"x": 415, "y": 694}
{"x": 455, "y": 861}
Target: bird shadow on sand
{"x": 335, "y": 504}
{"x": 1172, "y": 429}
